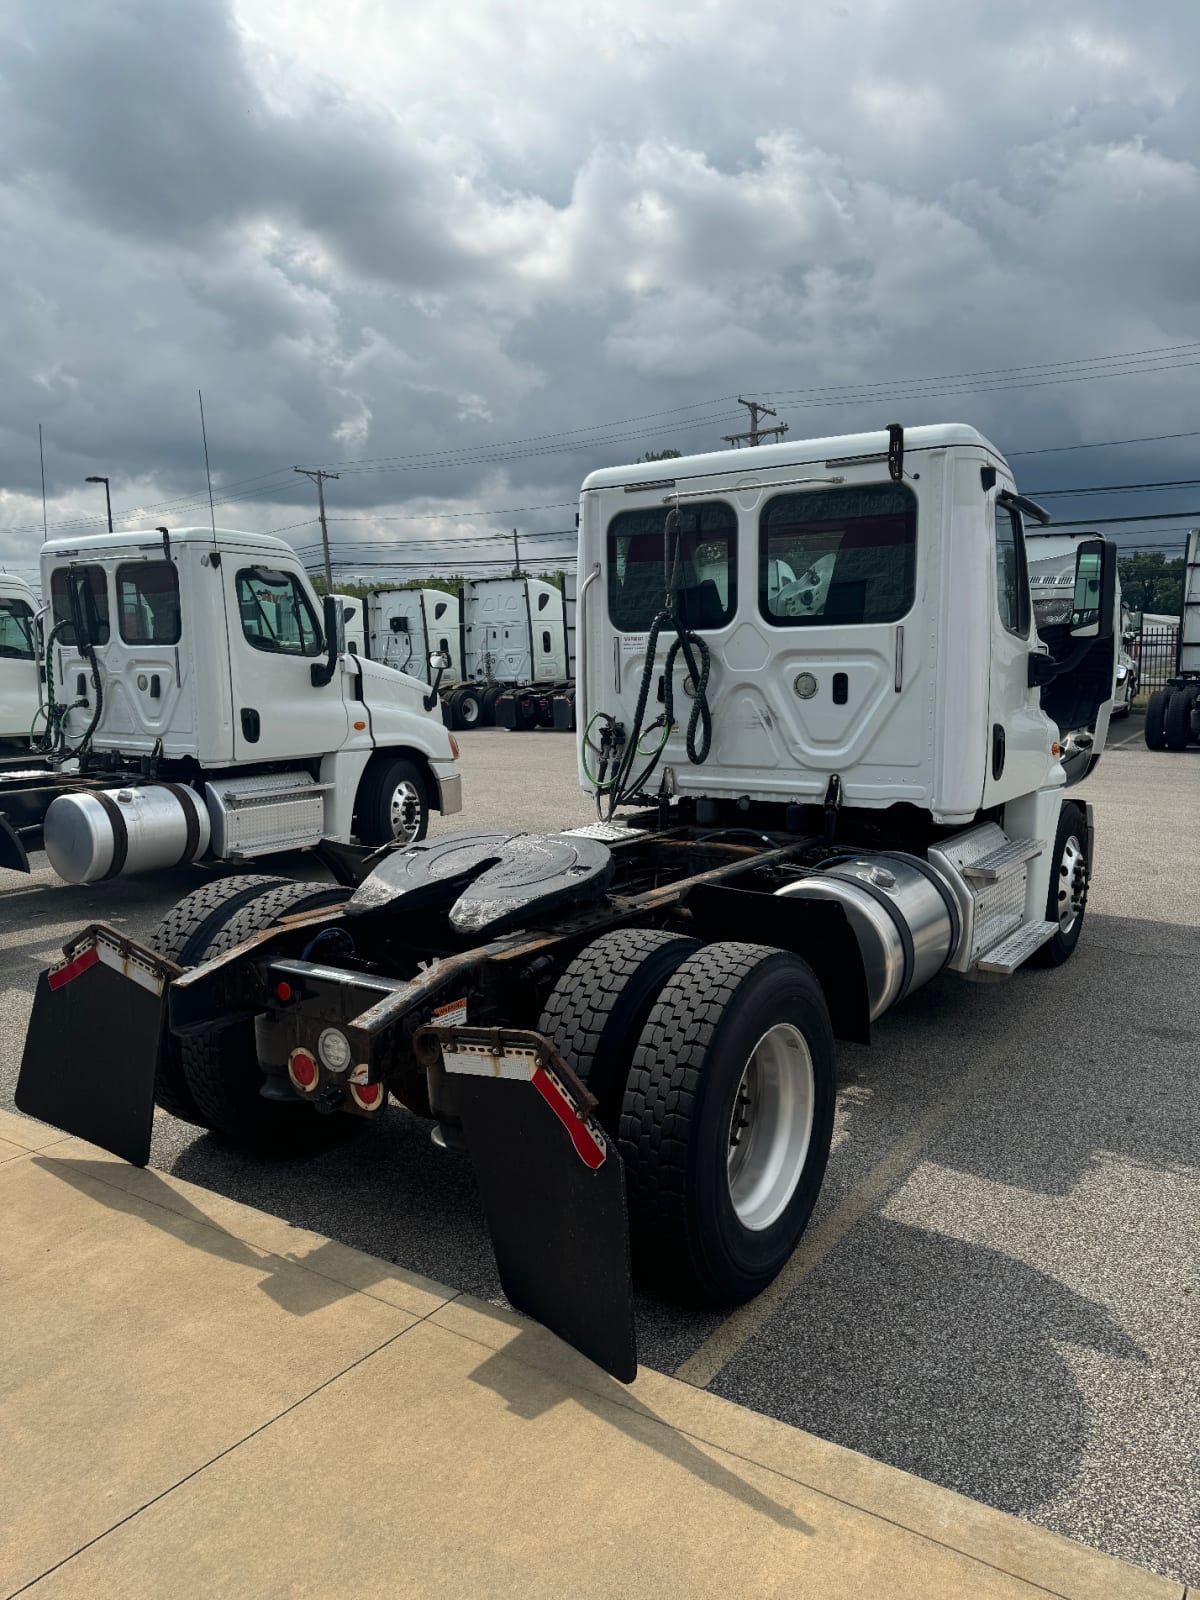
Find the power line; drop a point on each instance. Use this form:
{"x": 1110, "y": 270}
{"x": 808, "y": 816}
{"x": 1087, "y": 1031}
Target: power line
{"x": 318, "y": 477}
{"x": 1117, "y": 488}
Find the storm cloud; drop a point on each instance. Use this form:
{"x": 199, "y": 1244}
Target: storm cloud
{"x": 456, "y": 250}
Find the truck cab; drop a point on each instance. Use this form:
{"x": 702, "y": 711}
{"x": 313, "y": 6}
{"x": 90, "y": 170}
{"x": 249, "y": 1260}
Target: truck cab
{"x": 206, "y": 658}
{"x": 18, "y": 661}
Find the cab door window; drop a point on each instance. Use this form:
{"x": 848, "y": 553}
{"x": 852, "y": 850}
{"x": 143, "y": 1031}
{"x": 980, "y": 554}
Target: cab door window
{"x": 276, "y": 614}
{"x": 16, "y": 630}
{"x": 1012, "y": 576}
{"x": 91, "y": 594}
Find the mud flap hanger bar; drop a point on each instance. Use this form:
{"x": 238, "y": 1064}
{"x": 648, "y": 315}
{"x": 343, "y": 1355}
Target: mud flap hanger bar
{"x": 552, "y": 1185}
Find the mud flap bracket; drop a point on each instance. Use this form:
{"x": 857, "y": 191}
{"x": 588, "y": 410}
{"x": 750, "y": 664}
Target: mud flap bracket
{"x": 552, "y": 1184}
{"x": 94, "y": 1041}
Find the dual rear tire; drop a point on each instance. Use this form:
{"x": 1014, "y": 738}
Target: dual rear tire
{"x": 714, "y": 1067}
{"x": 1169, "y": 718}
{"x": 213, "y": 1079}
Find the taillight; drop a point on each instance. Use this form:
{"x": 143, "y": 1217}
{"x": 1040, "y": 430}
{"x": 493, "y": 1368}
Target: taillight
{"x": 303, "y": 1071}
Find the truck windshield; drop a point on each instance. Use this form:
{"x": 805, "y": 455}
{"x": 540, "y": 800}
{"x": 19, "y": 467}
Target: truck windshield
{"x": 91, "y": 591}
{"x": 829, "y": 557}
{"x": 707, "y": 566}
{"x": 16, "y": 630}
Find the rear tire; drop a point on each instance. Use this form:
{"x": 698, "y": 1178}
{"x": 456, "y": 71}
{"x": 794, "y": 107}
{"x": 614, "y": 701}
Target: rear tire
{"x": 393, "y": 802}
{"x": 1066, "y": 898}
{"x": 598, "y": 1007}
{"x": 185, "y": 930}
{"x": 1177, "y": 723}
{"x": 221, "y": 1066}
{"x": 727, "y": 1121}
{"x": 490, "y": 696}
{"x": 466, "y": 708}
{"x": 1156, "y": 713}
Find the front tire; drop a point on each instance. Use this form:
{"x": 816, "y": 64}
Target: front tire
{"x": 1066, "y": 899}
{"x": 727, "y": 1120}
{"x": 393, "y": 803}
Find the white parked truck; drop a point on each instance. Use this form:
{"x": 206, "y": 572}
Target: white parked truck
{"x": 198, "y": 700}
{"x": 814, "y": 796}
{"x": 18, "y": 662}
{"x": 505, "y": 642}
{"x": 1173, "y": 712}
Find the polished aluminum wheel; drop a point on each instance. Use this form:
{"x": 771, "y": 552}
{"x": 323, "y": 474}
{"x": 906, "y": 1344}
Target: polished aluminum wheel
{"x": 770, "y": 1128}
{"x": 1072, "y": 883}
{"x": 404, "y": 811}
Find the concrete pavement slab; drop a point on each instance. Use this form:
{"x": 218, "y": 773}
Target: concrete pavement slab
{"x": 441, "y": 1466}
{"x": 139, "y": 1345}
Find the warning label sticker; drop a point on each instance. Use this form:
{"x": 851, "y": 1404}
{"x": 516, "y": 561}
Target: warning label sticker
{"x": 453, "y": 1015}
{"x": 634, "y": 644}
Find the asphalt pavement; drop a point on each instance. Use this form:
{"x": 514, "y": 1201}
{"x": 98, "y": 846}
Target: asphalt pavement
{"x": 999, "y": 1289}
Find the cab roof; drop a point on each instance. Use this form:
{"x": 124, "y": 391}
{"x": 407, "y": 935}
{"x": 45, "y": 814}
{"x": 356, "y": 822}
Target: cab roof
{"x": 102, "y": 544}
{"x": 791, "y": 453}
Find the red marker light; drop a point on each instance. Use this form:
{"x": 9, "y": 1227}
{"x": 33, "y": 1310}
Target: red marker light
{"x": 302, "y": 1070}
{"x": 283, "y": 991}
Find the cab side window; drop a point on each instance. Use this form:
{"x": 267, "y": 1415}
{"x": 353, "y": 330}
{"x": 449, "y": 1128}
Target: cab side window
{"x": 1012, "y": 576}
{"x": 16, "y": 630}
{"x": 276, "y": 614}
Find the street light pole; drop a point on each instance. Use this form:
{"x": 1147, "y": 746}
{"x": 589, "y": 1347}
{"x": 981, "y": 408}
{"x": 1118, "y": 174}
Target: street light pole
{"x": 107, "y": 498}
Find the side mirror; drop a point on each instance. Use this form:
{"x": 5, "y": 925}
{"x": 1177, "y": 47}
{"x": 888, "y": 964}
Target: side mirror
{"x": 322, "y": 672}
{"x": 438, "y": 659}
{"x": 1095, "y": 590}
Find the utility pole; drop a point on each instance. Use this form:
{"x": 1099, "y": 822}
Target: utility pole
{"x": 755, "y": 434}
{"x": 318, "y": 477}
{"x": 516, "y": 555}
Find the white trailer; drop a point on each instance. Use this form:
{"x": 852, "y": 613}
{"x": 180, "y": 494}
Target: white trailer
{"x": 1173, "y": 712}
{"x": 200, "y": 700}
{"x": 18, "y": 661}
{"x": 814, "y": 796}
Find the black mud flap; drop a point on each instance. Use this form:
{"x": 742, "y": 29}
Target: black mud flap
{"x": 553, "y": 1187}
{"x": 94, "y": 1039}
{"x": 13, "y": 854}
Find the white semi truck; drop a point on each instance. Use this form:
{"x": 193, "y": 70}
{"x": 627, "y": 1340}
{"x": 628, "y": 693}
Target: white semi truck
{"x": 1173, "y": 712}
{"x": 18, "y": 662}
{"x": 505, "y": 641}
{"x": 199, "y": 701}
{"x": 814, "y": 796}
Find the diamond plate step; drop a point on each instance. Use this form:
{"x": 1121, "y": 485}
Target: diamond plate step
{"x": 991, "y": 868}
{"x": 1017, "y": 948}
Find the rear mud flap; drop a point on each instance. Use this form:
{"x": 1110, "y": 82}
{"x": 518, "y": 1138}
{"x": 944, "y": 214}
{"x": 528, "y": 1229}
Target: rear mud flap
{"x": 553, "y": 1187}
{"x": 94, "y": 1040}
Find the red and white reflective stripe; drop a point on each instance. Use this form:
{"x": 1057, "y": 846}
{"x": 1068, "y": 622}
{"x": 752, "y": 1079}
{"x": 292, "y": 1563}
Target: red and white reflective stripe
{"x": 110, "y": 956}
{"x": 521, "y": 1066}
{"x": 589, "y": 1147}
{"x": 78, "y": 964}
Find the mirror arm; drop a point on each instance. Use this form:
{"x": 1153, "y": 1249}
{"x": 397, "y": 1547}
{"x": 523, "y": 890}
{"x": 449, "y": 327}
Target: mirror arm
{"x": 431, "y": 699}
{"x": 321, "y": 672}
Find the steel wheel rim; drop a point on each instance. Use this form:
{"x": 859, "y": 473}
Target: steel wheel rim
{"x": 1072, "y": 881}
{"x": 770, "y": 1127}
{"x": 404, "y": 811}
{"x": 469, "y": 710}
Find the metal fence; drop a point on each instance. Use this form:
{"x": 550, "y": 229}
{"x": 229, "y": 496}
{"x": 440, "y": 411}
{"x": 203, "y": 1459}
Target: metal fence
{"x": 1154, "y": 651}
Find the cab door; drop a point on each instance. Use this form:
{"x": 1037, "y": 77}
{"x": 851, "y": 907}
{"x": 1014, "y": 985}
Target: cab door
{"x": 275, "y": 639}
{"x": 1019, "y": 735}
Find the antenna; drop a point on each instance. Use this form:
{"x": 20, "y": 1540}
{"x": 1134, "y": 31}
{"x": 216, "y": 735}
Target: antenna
{"x": 207, "y": 473}
{"x": 42, "y": 459}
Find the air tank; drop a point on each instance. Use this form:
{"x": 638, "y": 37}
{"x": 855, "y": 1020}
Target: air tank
{"x": 903, "y": 914}
{"x": 103, "y": 833}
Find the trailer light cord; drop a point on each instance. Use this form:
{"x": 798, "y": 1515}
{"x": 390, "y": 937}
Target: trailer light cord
{"x": 52, "y": 741}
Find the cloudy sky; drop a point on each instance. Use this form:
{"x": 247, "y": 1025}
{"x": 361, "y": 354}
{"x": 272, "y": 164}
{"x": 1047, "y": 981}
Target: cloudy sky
{"x": 464, "y": 253}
